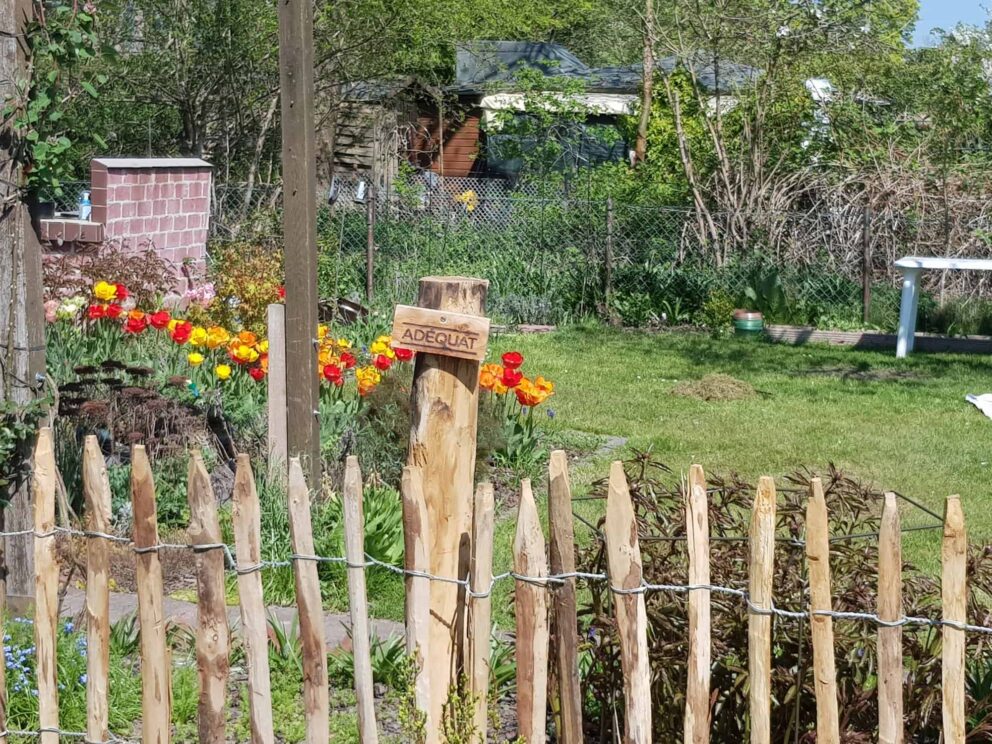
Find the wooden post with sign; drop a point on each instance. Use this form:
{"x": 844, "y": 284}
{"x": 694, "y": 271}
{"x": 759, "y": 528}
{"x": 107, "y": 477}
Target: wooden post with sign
{"x": 449, "y": 333}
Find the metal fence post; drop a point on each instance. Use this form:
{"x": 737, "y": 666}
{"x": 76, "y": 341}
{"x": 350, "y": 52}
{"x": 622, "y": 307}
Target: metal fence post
{"x": 608, "y": 261}
{"x": 370, "y": 243}
{"x": 866, "y": 273}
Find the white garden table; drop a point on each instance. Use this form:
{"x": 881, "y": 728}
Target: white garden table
{"x": 911, "y": 267}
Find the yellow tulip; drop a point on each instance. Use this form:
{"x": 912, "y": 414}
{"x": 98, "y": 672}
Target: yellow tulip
{"x": 195, "y": 358}
{"x": 105, "y": 291}
{"x": 222, "y": 371}
{"x": 199, "y": 336}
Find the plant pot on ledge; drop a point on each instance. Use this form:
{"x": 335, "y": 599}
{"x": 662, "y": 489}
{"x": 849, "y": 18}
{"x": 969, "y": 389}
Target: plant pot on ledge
{"x": 748, "y": 324}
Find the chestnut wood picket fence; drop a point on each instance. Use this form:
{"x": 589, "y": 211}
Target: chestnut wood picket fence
{"x": 545, "y": 580}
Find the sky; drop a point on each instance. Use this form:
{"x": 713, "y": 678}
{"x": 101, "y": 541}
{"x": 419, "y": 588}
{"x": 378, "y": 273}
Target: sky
{"x": 947, "y": 14}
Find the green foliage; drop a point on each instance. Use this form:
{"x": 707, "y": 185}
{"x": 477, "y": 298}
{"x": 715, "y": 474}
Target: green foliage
{"x": 18, "y": 425}
{"x": 765, "y": 294}
{"x": 246, "y": 279}
{"x": 61, "y": 44}
{"x": 458, "y": 716}
{"x": 390, "y": 664}
{"x": 718, "y": 311}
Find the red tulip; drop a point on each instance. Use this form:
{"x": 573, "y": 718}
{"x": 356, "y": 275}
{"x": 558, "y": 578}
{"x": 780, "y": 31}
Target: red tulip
{"x": 257, "y": 374}
{"x": 181, "y": 332}
{"x": 332, "y": 373}
{"x": 122, "y": 293}
{"x": 160, "y": 319}
{"x": 382, "y": 362}
{"x": 513, "y": 359}
{"x": 348, "y": 359}
{"x": 95, "y": 312}
{"x": 512, "y": 377}
{"x": 114, "y": 311}
{"x": 404, "y": 355}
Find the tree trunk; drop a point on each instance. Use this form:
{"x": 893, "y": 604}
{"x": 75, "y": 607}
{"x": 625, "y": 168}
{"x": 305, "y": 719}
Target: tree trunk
{"x": 22, "y": 355}
{"x": 647, "y": 87}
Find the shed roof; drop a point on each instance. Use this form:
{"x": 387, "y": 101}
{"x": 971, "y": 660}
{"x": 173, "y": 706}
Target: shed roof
{"x": 481, "y": 66}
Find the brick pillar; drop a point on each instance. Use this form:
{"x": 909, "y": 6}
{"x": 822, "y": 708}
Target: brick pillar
{"x": 159, "y": 202}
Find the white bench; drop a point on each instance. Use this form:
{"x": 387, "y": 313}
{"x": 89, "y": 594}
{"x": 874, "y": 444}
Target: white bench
{"x": 911, "y": 267}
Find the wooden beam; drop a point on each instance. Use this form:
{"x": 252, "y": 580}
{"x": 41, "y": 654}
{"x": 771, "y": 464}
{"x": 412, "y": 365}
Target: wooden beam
{"x": 626, "y": 574}
{"x": 531, "y": 613}
{"x": 761, "y": 572}
{"x": 418, "y": 591}
{"x": 22, "y": 351}
{"x": 443, "y": 427}
{"x": 480, "y": 608}
{"x": 299, "y": 175}
{"x": 313, "y": 641}
{"x": 696, "y": 724}
{"x": 247, "y": 520}
{"x": 890, "y": 669}
{"x": 276, "y": 385}
{"x": 156, "y": 671}
{"x": 96, "y": 487}
{"x": 46, "y": 581}
{"x": 954, "y": 597}
{"x": 821, "y": 626}
{"x": 212, "y": 632}
{"x": 562, "y": 552}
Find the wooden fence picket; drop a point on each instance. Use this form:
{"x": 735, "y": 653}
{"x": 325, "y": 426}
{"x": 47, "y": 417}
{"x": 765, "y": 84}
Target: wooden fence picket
{"x": 761, "y": 571}
{"x": 96, "y": 487}
{"x": 890, "y": 668}
{"x": 316, "y": 703}
{"x": 248, "y": 540}
{"x": 821, "y": 626}
{"x": 697, "y": 698}
{"x": 480, "y": 608}
{"x": 954, "y": 597}
{"x": 531, "y": 611}
{"x": 212, "y": 631}
{"x": 276, "y": 392}
{"x": 626, "y": 574}
{"x": 156, "y": 687}
{"x": 416, "y": 538}
{"x": 564, "y": 613}
{"x": 46, "y": 584}
{"x": 354, "y": 549}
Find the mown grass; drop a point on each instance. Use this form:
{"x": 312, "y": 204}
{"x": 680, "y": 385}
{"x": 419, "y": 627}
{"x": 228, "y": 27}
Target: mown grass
{"x": 902, "y": 425}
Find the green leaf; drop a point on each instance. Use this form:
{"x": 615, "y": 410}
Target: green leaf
{"x": 101, "y": 78}
{"x": 88, "y": 87}
{"x": 31, "y": 136}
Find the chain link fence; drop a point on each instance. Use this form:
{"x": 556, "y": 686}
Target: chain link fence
{"x": 552, "y": 255}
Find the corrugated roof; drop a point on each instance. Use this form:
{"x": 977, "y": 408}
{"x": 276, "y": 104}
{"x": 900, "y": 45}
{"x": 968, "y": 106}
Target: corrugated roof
{"x": 481, "y": 66}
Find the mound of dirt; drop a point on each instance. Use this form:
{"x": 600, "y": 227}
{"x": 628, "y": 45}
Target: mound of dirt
{"x": 715, "y": 387}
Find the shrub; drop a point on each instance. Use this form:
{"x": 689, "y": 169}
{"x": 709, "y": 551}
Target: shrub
{"x": 141, "y": 269}
{"x": 854, "y": 510}
{"x": 246, "y": 279}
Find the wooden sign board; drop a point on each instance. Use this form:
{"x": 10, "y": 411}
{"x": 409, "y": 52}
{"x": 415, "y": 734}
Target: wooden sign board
{"x": 440, "y": 332}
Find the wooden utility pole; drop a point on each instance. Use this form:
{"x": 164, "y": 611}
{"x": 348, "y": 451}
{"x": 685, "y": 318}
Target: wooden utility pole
{"x": 299, "y": 175}
{"x": 22, "y": 332}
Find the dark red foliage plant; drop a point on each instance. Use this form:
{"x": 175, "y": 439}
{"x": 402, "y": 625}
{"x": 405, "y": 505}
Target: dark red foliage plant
{"x": 855, "y": 511}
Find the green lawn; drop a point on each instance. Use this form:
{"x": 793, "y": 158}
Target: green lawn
{"x": 902, "y": 424}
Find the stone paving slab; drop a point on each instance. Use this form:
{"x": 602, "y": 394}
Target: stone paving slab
{"x": 336, "y": 625}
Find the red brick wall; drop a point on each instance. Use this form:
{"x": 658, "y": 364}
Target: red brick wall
{"x": 164, "y": 202}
